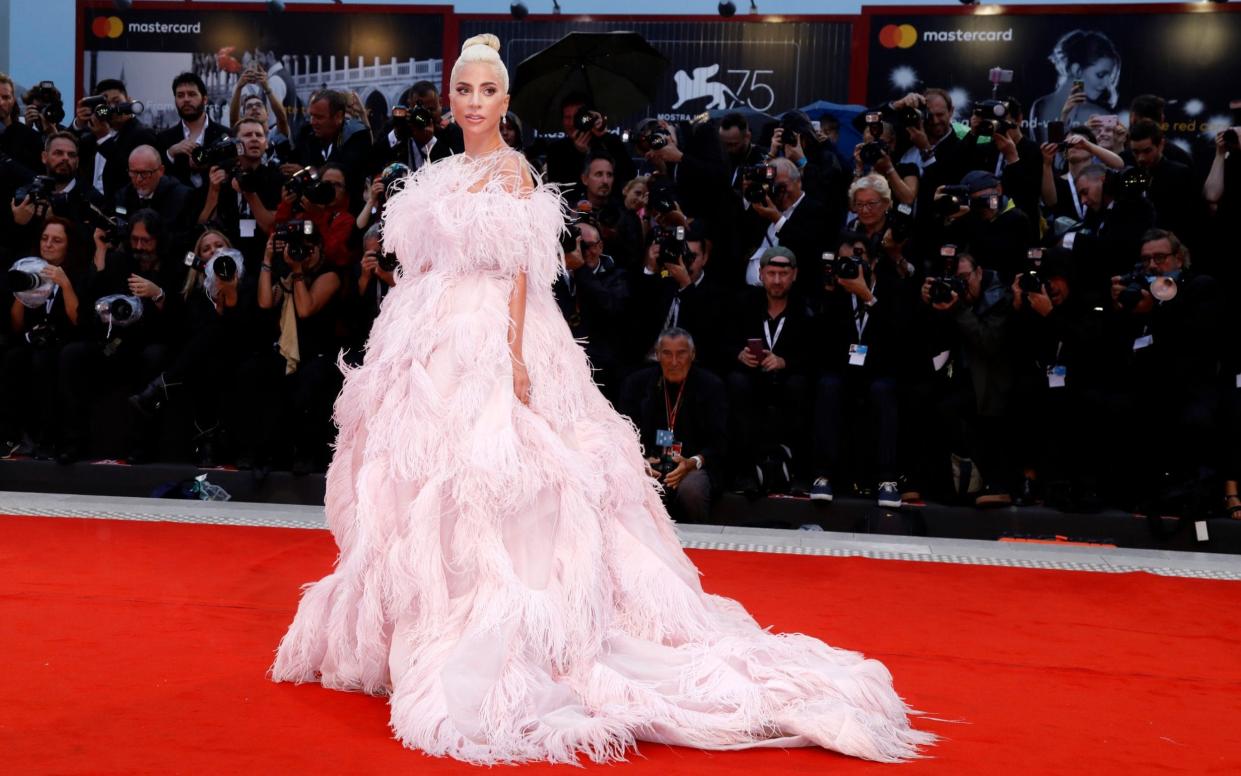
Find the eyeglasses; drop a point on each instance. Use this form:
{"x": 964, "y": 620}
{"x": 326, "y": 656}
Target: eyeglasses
{"x": 1157, "y": 258}
{"x": 143, "y": 174}
{"x": 868, "y": 205}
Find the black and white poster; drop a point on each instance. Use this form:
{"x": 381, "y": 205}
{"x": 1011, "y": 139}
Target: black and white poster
{"x": 376, "y": 55}
{"x": 1186, "y": 57}
{"x": 714, "y": 65}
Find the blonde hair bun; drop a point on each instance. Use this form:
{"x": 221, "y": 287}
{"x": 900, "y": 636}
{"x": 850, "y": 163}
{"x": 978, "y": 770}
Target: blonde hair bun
{"x": 486, "y": 39}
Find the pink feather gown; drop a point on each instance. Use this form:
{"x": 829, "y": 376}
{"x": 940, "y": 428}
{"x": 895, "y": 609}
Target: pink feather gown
{"x": 508, "y": 575}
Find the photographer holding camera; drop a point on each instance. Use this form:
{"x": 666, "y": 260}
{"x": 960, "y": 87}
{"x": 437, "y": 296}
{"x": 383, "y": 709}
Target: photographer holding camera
{"x": 108, "y": 131}
{"x": 1173, "y": 189}
{"x": 585, "y": 134}
{"x": 414, "y": 135}
{"x": 982, "y": 219}
{"x": 329, "y": 136}
{"x": 195, "y": 131}
{"x": 137, "y": 322}
{"x": 375, "y": 276}
{"x": 294, "y": 382}
{"x": 45, "y": 109}
{"x": 56, "y": 192}
{"x": 593, "y": 295}
{"x": 1166, "y": 344}
{"x": 768, "y": 346}
{"x": 322, "y": 197}
{"x": 1078, "y": 149}
{"x": 857, "y": 353}
{"x": 243, "y": 193}
{"x": 781, "y": 213}
{"x": 251, "y": 97}
{"x": 1117, "y": 215}
{"x": 874, "y": 155}
{"x": 673, "y": 289}
{"x": 679, "y": 409}
{"x": 16, "y": 139}
{"x": 43, "y": 317}
{"x": 995, "y": 144}
{"x": 976, "y": 305}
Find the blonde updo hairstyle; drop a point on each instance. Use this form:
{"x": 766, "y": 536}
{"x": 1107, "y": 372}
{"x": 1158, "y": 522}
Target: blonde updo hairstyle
{"x": 483, "y": 48}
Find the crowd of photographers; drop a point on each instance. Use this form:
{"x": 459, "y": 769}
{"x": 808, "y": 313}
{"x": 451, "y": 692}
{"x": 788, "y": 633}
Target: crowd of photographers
{"x": 949, "y": 310}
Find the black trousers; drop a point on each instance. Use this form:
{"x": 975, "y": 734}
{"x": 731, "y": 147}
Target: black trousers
{"x": 29, "y": 393}
{"x": 984, "y": 439}
{"x": 766, "y": 409}
{"x": 86, "y": 371}
{"x": 282, "y": 411}
{"x": 837, "y": 396}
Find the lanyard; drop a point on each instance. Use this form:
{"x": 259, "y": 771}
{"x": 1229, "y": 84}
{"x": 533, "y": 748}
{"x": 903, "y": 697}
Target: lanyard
{"x": 771, "y": 340}
{"x": 51, "y": 300}
{"x": 861, "y": 316}
{"x": 670, "y": 409}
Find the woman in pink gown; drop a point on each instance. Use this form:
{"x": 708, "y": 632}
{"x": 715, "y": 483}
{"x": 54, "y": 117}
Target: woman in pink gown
{"x": 507, "y": 573}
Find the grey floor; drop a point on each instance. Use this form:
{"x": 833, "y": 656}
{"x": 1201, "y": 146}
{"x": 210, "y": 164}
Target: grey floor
{"x": 708, "y": 537}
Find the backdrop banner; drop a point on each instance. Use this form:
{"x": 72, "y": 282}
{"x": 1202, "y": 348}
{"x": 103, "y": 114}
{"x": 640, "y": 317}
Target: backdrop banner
{"x": 714, "y": 65}
{"x": 1181, "y": 56}
{"x": 376, "y": 55}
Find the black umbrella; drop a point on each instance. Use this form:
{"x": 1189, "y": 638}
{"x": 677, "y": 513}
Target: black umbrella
{"x": 620, "y": 72}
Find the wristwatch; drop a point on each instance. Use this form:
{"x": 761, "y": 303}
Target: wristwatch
{"x": 697, "y": 459}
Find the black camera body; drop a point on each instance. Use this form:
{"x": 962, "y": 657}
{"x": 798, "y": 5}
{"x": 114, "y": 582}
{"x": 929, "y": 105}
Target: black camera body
{"x": 291, "y": 241}
{"x": 846, "y": 267}
{"x": 910, "y": 117}
{"x": 954, "y": 198}
{"x": 757, "y": 181}
{"x": 901, "y": 222}
{"x": 1128, "y": 185}
{"x": 307, "y": 183}
{"x": 1134, "y": 284}
{"x": 224, "y": 267}
{"x": 993, "y": 117}
{"x": 672, "y": 246}
{"x": 405, "y": 119}
{"x": 586, "y": 119}
{"x": 872, "y": 152}
{"x": 942, "y": 289}
{"x": 391, "y": 174}
{"x": 387, "y": 261}
{"x": 222, "y": 153}
{"x": 1032, "y": 282}
{"x": 41, "y": 189}
{"x": 104, "y": 110}
{"x": 52, "y": 111}
{"x": 115, "y": 228}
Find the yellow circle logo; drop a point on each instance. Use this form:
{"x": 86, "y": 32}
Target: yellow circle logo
{"x": 898, "y": 36}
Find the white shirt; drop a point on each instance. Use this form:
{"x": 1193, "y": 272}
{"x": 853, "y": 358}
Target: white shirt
{"x": 101, "y": 161}
{"x": 425, "y": 150}
{"x": 771, "y": 238}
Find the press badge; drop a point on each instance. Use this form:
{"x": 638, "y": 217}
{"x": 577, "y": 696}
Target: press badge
{"x": 1055, "y": 376}
{"x": 1143, "y": 342}
{"x": 246, "y": 227}
{"x": 664, "y": 438}
{"x": 857, "y": 355}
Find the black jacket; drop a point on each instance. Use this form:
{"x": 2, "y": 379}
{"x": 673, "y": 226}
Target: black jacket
{"x": 881, "y": 324}
{"x": 179, "y": 167}
{"x": 698, "y": 311}
{"x": 116, "y": 153}
{"x": 171, "y": 199}
{"x": 808, "y": 232}
{"x": 797, "y": 335}
{"x": 701, "y": 420}
{"x": 351, "y": 149}
{"x": 565, "y": 162}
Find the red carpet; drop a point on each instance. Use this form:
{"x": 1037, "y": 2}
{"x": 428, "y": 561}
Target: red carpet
{"x": 132, "y": 647}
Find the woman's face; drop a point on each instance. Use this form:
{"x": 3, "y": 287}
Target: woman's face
{"x": 53, "y": 244}
{"x": 1096, "y": 77}
{"x": 509, "y": 133}
{"x": 478, "y": 102}
{"x": 636, "y": 197}
{"x": 209, "y": 244}
{"x": 869, "y": 207}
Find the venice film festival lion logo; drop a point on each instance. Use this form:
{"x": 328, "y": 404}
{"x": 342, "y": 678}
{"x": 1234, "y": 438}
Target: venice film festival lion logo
{"x": 698, "y": 84}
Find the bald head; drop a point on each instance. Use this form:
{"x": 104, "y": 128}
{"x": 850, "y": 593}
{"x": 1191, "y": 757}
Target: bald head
{"x": 145, "y": 169}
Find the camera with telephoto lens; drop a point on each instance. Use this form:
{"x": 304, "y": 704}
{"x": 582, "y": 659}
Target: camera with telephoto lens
{"x": 115, "y": 228}
{"x": 1162, "y": 287}
{"x": 119, "y": 309}
{"x": 663, "y": 200}
{"x": 386, "y": 261}
{"x": 653, "y": 135}
{"x": 947, "y": 284}
{"x": 586, "y": 119}
{"x": 672, "y": 246}
{"x": 849, "y": 267}
{"x": 872, "y": 152}
{"x": 223, "y": 267}
{"x": 1033, "y": 280}
{"x": 910, "y": 117}
{"x": 222, "y": 153}
{"x": 102, "y": 109}
{"x": 52, "y": 110}
{"x": 757, "y": 181}
{"x": 391, "y": 174}
{"x": 952, "y": 200}
{"x": 307, "y": 183}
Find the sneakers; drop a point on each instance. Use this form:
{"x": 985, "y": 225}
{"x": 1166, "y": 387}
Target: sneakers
{"x": 889, "y": 495}
{"x": 821, "y": 490}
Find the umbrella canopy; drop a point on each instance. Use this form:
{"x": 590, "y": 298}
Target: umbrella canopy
{"x": 849, "y": 135}
{"x": 619, "y": 71}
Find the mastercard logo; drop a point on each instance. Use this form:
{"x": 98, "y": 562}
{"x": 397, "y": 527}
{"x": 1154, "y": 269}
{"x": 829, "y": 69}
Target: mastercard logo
{"x": 898, "y": 36}
{"x": 107, "y": 27}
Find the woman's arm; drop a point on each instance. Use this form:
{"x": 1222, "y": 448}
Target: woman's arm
{"x": 516, "y": 329}
{"x": 1213, "y": 188}
{"x": 309, "y": 299}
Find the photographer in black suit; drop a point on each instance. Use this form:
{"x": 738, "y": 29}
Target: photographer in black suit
{"x": 413, "y": 135}
{"x": 195, "y": 130}
{"x": 106, "y": 143}
{"x": 680, "y": 410}
{"x": 241, "y": 198}
{"x": 785, "y": 215}
{"x": 149, "y": 188}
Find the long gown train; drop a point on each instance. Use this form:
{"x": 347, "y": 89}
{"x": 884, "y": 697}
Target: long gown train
{"x": 507, "y": 572}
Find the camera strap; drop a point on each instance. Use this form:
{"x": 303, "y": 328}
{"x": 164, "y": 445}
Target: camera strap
{"x": 861, "y": 316}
